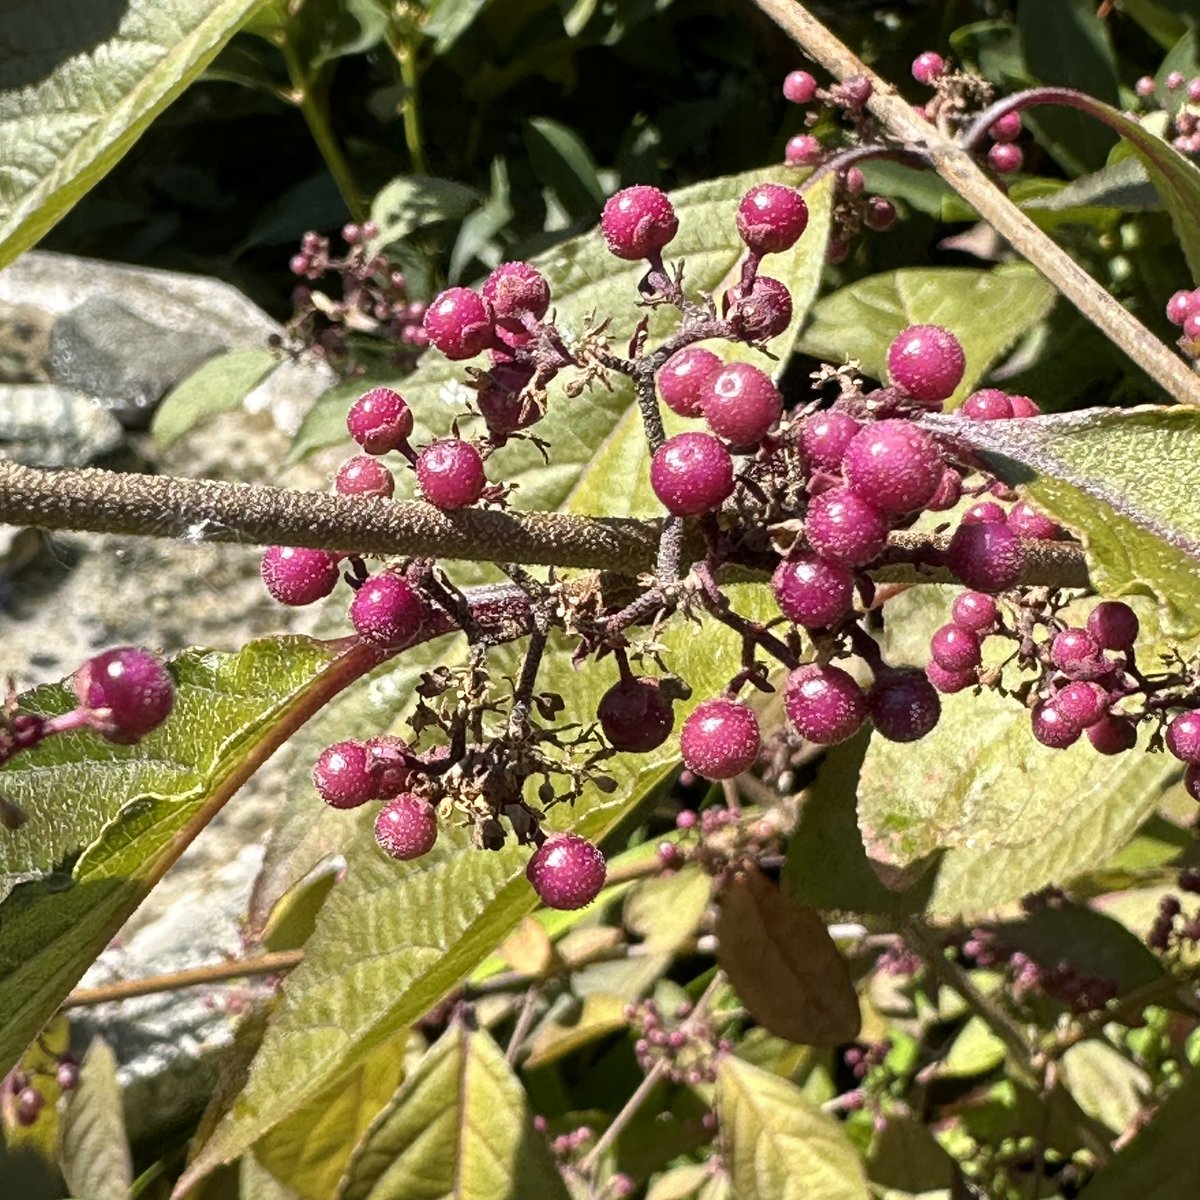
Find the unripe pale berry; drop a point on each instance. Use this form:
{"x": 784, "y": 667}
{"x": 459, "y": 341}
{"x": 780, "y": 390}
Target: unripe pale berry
{"x": 948, "y": 682}
{"x": 740, "y": 403}
{"x": 904, "y": 706}
{"x": 638, "y": 222}
{"x": 974, "y": 611}
{"x": 1114, "y": 625}
{"x": 387, "y": 611}
{"x": 824, "y": 704}
{"x": 127, "y": 692}
{"x": 363, "y": 475}
{"x": 1006, "y": 128}
{"x": 771, "y": 217}
{"x": 763, "y": 312}
{"x": 799, "y": 87}
{"x": 987, "y": 558}
{"x": 926, "y": 362}
{"x": 450, "y": 473}
{"x": 1006, "y": 158}
{"x": 894, "y": 465}
{"x": 1022, "y": 406}
{"x": 516, "y": 288}
{"x": 297, "y": 575}
{"x": 949, "y": 491}
{"x": 803, "y": 150}
{"x": 1145, "y": 86}
{"x": 406, "y": 827}
{"x": 1082, "y": 703}
{"x": 682, "y": 377}
{"x": 824, "y": 437}
{"x": 1113, "y": 735}
{"x": 720, "y": 739}
{"x": 1025, "y": 521}
{"x": 928, "y": 68}
{"x": 812, "y": 592}
{"x": 1053, "y": 728}
{"x": 566, "y": 871}
{"x": 984, "y": 512}
{"x": 844, "y": 529}
{"x": 988, "y": 404}
{"x": 343, "y": 776}
{"x": 460, "y": 323}
{"x": 1073, "y": 649}
{"x": 635, "y": 716}
{"x": 380, "y": 420}
{"x": 691, "y": 474}
{"x": 1180, "y": 306}
{"x": 1183, "y": 737}
{"x": 956, "y": 649}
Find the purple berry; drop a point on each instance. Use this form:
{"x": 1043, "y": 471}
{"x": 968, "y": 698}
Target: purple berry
{"x": 799, "y": 87}
{"x": 66, "y": 1075}
{"x": 691, "y": 474}
{"x": 1191, "y": 326}
{"x": 987, "y": 558}
{"x": 388, "y": 611}
{"x": 1006, "y": 128}
{"x": 638, "y": 222}
{"x": 1180, "y": 306}
{"x": 771, "y": 217}
{"x": 450, "y": 473}
{"x": 954, "y": 648}
{"x": 927, "y": 363}
{"x": 949, "y": 682}
{"x": 380, "y": 420}
{"x": 740, "y": 403}
{"x": 635, "y": 716}
{"x": 1114, "y": 625}
{"x": 460, "y": 323}
{"x": 928, "y": 68}
{"x": 1022, "y": 406}
{"x": 363, "y": 475}
{"x": 500, "y": 399}
{"x": 566, "y": 871}
{"x": 515, "y": 288}
{"x": 812, "y": 592}
{"x": 1191, "y": 782}
{"x": 984, "y": 512}
{"x": 1174, "y": 81}
{"x": 127, "y": 692}
{"x": 389, "y": 764}
{"x": 1183, "y": 737}
{"x": 949, "y": 491}
{"x": 1025, "y": 521}
{"x": 988, "y": 404}
{"x": 904, "y": 706}
{"x": 1006, "y": 158}
{"x": 1074, "y": 650}
{"x": 763, "y": 312}
{"x": 853, "y": 92}
{"x": 880, "y": 214}
{"x": 803, "y": 150}
{"x": 1145, "y": 86}
{"x": 893, "y": 465}
{"x": 974, "y": 611}
{"x": 1053, "y": 728}
{"x": 844, "y": 529}
{"x": 342, "y": 775}
{"x": 1082, "y": 703}
{"x": 297, "y": 575}
{"x": 29, "y": 1104}
{"x": 824, "y": 437}
{"x": 406, "y": 827}
{"x": 824, "y": 704}
{"x": 720, "y": 739}
{"x": 682, "y": 377}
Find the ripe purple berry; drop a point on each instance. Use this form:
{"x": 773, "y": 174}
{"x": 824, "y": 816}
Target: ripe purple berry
{"x": 380, "y": 420}
{"x": 1183, "y": 737}
{"x": 949, "y": 682}
{"x": 1022, "y": 406}
{"x": 803, "y": 150}
{"x": 954, "y": 648}
{"x": 1025, "y": 521}
{"x": 406, "y": 827}
{"x": 824, "y": 437}
{"x": 460, "y": 323}
{"x": 450, "y": 473}
{"x": 66, "y": 1075}
{"x": 763, "y": 312}
{"x": 894, "y": 465}
{"x": 984, "y": 512}
{"x": 691, "y": 474}
{"x": 1114, "y": 625}
{"x": 635, "y": 716}
{"x": 388, "y": 611}
{"x": 682, "y": 377}
{"x": 904, "y": 706}
{"x": 824, "y": 704}
{"x": 638, "y": 222}
{"x": 720, "y": 739}
{"x": 844, "y": 529}
{"x": 928, "y": 68}
{"x": 1053, "y": 728}
{"x": 799, "y": 87}
{"x": 927, "y": 363}
{"x": 343, "y": 776}
{"x": 1074, "y": 650}
{"x": 127, "y": 692}
{"x": 515, "y": 288}
{"x": 771, "y": 217}
{"x": 740, "y": 403}
{"x": 853, "y": 92}
{"x": 566, "y": 871}
{"x": 1006, "y": 128}
{"x": 1082, "y": 703}
{"x": 988, "y": 404}
{"x": 812, "y": 592}
{"x": 363, "y": 475}
{"x": 1113, "y": 735}
{"x": 1006, "y": 158}
{"x": 389, "y": 764}
{"x": 987, "y": 558}
{"x": 974, "y": 611}
{"x": 297, "y": 575}
{"x": 29, "y": 1104}
{"x": 880, "y": 214}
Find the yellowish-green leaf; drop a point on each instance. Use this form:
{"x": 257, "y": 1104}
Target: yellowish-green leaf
{"x": 1107, "y": 1085}
{"x": 666, "y": 910}
{"x": 219, "y": 386}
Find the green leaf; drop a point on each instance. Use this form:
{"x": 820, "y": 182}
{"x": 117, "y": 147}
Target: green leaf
{"x": 94, "y": 1152}
{"x": 778, "y": 1144}
{"x": 1124, "y": 481}
{"x": 1108, "y": 1087}
{"x": 449, "y": 19}
{"x": 561, "y": 160}
{"x": 70, "y": 109}
{"x": 987, "y": 310}
{"x": 411, "y": 202}
{"x": 906, "y": 1160}
{"x": 666, "y": 910}
{"x": 976, "y": 1051}
{"x": 219, "y": 386}
{"x": 459, "y": 1128}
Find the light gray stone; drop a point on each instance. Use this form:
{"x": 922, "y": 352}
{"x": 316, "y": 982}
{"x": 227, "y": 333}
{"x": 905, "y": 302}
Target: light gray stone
{"x": 42, "y": 425}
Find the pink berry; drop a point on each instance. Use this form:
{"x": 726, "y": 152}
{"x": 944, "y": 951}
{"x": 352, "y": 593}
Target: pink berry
{"x": 824, "y": 437}
{"x": 803, "y": 150}
{"x": 904, "y": 706}
{"x": 988, "y": 404}
{"x": 388, "y": 611}
{"x": 987, "y": 558}
{"x": 380, "y": 420}
{"x": 638, "y": 222}
{"x": 812, "y": 592}
{"x": 450, "y": 473}
{"x": 1006, "y": 128}
{"x": 682, "y": 377}
{"x": 720, "y": 739}
{"x": 949, "y": 682}
{"x": 956, "y": 649}
{"x": 1180, "y": 306}
{"x": 1114, "y": 625}
{"x": 928, "y": 68}
{"x": 1174, "y": 81}
{"x": 691, "y": 474}
{"x": 127, "y": 692}
{"x": 949, "y": 491}
{"x": 1193, "y": 89}
{"x": 515, "y": 289}
{"x": 66, "y": 1075}
{"x": 1052, "y": 728}
{"x": 1073, "y": 650}
{"x": 1006, "y": 158}
{"x": 389, "y": 764}
{"x": 771, "y": 218}
{"x": 974, "y": 611}
{"x": 28, "y": 1106}
{"x": 844, "y": 529}
{"x": 1113, "y": 735}
{"x": 1082, "y": 703}
{"x": 880, "y": 214}
{"x": 635, "y": 716}
{"x": 460, "y": 323}
{"x": 297, "y": 575}
{"x": 1022, "y": 406}
{"x": 853, "y": 92}
{"x": 894, "y": 465}
{"x": 926, "y": 362}
{"x": 824, "y": 704}
{"x": 740, "y": 403}
{"x": 1025, "y": 521}
{"x": 853, "y": 181}
{"x": 1145, "y": 86}
{"x": 342, "y": 775}
{"x": 984, "y": 512}
{"x": 566, "y": 871}
{"x": 363, "y": 475}
{"x": 406, "y": 827}
{"x": 763, "y": 312}
{"x": 799, "y": 87}
{"x": 1183, "y": 737}
{"x": 1191, "y": 326}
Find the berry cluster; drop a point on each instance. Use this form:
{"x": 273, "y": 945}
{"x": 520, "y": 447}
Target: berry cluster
{"x": 1179, "y": 98}
{"x": 687, "y": 1046}
{"x": 1183, "y": 311}
{"x": 28, "y": 1099}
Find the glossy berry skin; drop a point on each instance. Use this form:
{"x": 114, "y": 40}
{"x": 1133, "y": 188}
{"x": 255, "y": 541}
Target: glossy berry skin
{"x": 949, "y": 492}
{"x": 635, "y": 716}
{"x": 1022, "y": 406}
{"x": 1082, "y": 703}
{"x": 880, "y": 214}
{"x": 763, "y": 312}
{"x": 948, "y": 682}
{"x": 813, "y": 592}
{"x": 799, "y": 87}
{"x": 30, "y": 1103}
{"x": 771, "y": 217}
{"x": 904, "y": 706}
{"x": 927, "y": 363}
{"x": 296, "y": 575}
{"x": 1183, "y": 737}
{"x": 803, "y": 150}
{"x": 984, "y": 512}
{"x": 1181, "y": 306}
{"x": 363, "y": 475}
{"x": 460, "y": 323}
{"x": 1073, "y": 650}
{"x": 720, "y": 739}
{"x": 380, "y": 420}
{"x": 894, "y": 465}
{"x": 66, "y": 1075}
{"x": 740, "y": 403}
{"x": 1006, "y": 158}
{"x": 1006, "y": 128}
{"x": 824, "y": 437}
{"x": 691, "y": 473}
{"x": 450, "y": 473}
{"x": 955, "y": 649}
{"x": 682, "y": 377}
{"x": 928, "y": 68}
{"x": 1025, "y": 521}
{"x": 127, "y": 691}
{"x": 844, "y": 529}
{"x": 1113, "y": 735}
{"x": 1052, "y": 728}
{"x": 987, "y": 558}
{"x": 566, "y": 871}
{"x": 343, "y": 775}
{"x": 388, "y": 611}
{"x": 406, "y": 827}
{"x": 824, "y": 704}
{"x": 1113, "y": 625}
{"x": 515, "y": 289}
{"x": 988, "y": 404}
{"x": 974, "y": 611}
{"x": 638, "y": 222}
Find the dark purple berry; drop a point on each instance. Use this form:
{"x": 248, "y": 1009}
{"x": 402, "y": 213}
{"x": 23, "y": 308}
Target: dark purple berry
{"x": 363, "y": 475}
{"x": 1183, "y": 737}
{"x": 389, "y": 764}
{"x": 691, "y": 474}
{"x": 799, "y": 87}
{"x": 460, "y": 323}
{"x": 66, "y": 1074}
{"x": 515, "y": 288}
{"x": 720, "y": 739}
{"x": 928, "y": 68}
{"x": 296, "y": 575}
{"x": 987, "y": 558}
{"x": 824, "y": 704}
{"x": 853, "y": 92}
{"x": 1052, "y": 728}
{"x": 635, "y": 716}
{"x": 740, "y": 403}
{"x": 406, "y": 827}
{"x": 388, "y": 611}
{"x": 1006, "y": 158}
{"x": 1114, "y": 625}
{"x": 127, "y": 692}
{"x": 566, "y": 871}
{"x": 949, "y": 491}
{"x": 450, "y": 473}
{"x": 956, "y": 649}
{"x": 1112, "y": 735}
{"x": 984, "y": 512}
{"x": 763, "y": 312}
{"x": 880, "y": 214}
{"x": 824, "y": 437}
{"x": 844, "y": 529}
{"x": 1082, "y": 703}
{"x": 974, "y": 611}
{"x": 1026, "y": 522}
{"x": 380, "y": 420}
{"x": 988, "y": 404}
{"x": 343, "y": 775}
{"x": 1073, "y": 650}
{"x": 1191, "y": 785}
{"x": 30, "y": 1103}
{"x": 638, "y": 222}
{"x": 771, "y": 218}
{"x": 812, "y": 592}
{"x": 927, "y": 363}
{"x": 949, "y": 682}
{"x": 893, "y": 465}
{"x": 904, "y": 706}
{"x": 682, "y": 377}
{"x": 1006, "y": 128}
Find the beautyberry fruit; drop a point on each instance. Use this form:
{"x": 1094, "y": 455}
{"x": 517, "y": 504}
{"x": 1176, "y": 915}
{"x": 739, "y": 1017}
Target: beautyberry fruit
{"x": 1052, "y": 727}
{"x": 904, "y": 706}
{"x": 988, "y": 404}
{"x": 763, "y": 312}
{"x": 638, "y": 222}
{"x": 949, "y": 682}
{"x": 1082, "y": 703}
{"x": 812, "y": 592}
{"x": 1006, "y": 158}
{"x": 460, "y": 323}
{"x": 984, "y": 512}
{"x": 296, "y": 575}
{"x": 127, "y": 692}
{"x": 799, "y": 87}
{"x": 566, "y": 871}
{"x": 380, "y": 420}
{"x": 844, "y": 529}
{"x": 803, "y": 150}
{"x": 949, "y": 492}
{"x": 363, "y": 475}
{"x": 771, "y": 218}
{"x": 740, "y": 403}
{"x": 450, "y": 473}
{"x": 691, "y": 474}
{"x": 880, "y": 214}
{"x": 387, "y": 611}
{"x": 824, "y": 704}
{"x": 824, "y": 437}
{"x": 635, "y": 716}
{"x": 389, "y": 764}
{"x": 1022, "y": 406}
{"x": 894, "y": 465}
{"x": 928, "y": 68}
{"x": 853, "y": 92}
{"x": 720, "y": 739}
{"x": 29, "y": 1104}
{"x": 1191, "y": 783}
{"x": 66, "y": 1075}
{"x": 1006, "y": 128}
{"x": 1113, "y": 735}
{"x": 682, "y": 377}
{"x": 1183, "y": 737}
{"x": 927, "y": 363}
{"x": 1073, "y": 650}
{"x": 1025, "y": 521}
{"x": 516, "y": 288}
{"x": 1181, "y": 305}
{"x": 342, "y": 775}
{"x": 955, "y": 649}
{"x": 987, "y": 558}
{"x": 974, "y": 611}
{"x": 1114, "y": 625}
{"x": 406, "y": 827}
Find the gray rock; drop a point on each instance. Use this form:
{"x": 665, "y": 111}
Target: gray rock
{"x": 24, "y": 343}
{"x": 46, "y": 426}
